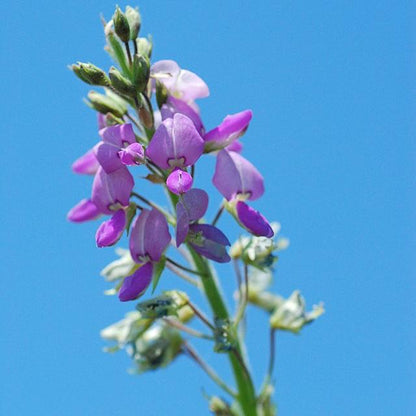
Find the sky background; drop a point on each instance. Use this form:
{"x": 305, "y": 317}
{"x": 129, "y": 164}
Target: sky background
{"x": 331, "y": 85}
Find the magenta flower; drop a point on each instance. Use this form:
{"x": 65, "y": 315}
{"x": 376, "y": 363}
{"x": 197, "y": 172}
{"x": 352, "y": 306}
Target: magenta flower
{"x": 191, "y": 207}
{"x": 149, "y": 236}
{"x": 175, "y": 105}
{"x": 237, "y": 179}
{"x": 253, "y": 221}
{"x": 180, "y": 83}
{"x": 176, "y": 144}
{"x": 235, "y": 175}
{"x": 209, "y": 241}
{"x": 110, "y": 191}
{"x": 115, "y": 138}
{"x": 136, "y": 284}
{"x": 110, "y": 231}
{"x": 179, "y": 181}
{"x": 85, "y": 210}
{"x": 133, "y": 154}
{"x": 232, "y": 127}
{"x": 87, "y": 164}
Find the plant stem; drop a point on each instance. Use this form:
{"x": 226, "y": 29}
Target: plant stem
{"x": 218, "y": 215}
{"x": 183, "y": 275}
{"x": 186, "y": 269}
{"x": 246, "y": 393}
{"x": 243, "y": 298}
{"x": 211, "y": 373}
{"x": 178, "y": 325}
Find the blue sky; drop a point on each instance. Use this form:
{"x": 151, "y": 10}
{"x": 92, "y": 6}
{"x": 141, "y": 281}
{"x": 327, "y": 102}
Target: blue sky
{"x": 331, "y": 85}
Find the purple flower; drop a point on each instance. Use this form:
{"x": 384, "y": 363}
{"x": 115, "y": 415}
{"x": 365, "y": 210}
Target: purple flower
{"x": 135, "y": 285}
{"x": 133, "y": 154}
{"x": 85, "y": 210}
{"x": 176, "y": 143}
{"x": 149, "y": 236}
{"x": 235, "y": 175}
{"x": 235, "y": 146}
{"x": 209, "y": 241}
{"x": 87, "y": 164}
{"x": 191, "y": 207}
{"x": 180, "y": 83}
{"x": 232, "y": 127}
{"x": 110, "y": 231}
{"x": 115, "y": 138}
{"x": 179, "y": 181}
{"x": 174, "y": 106}
{"x": 112, "y": 190}
{"x": 253, "y": 221}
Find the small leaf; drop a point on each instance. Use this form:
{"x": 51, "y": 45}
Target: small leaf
{"x": 157, "y": 272}
{"x": 154, "y": 178}
{"x": 130, "y": 213}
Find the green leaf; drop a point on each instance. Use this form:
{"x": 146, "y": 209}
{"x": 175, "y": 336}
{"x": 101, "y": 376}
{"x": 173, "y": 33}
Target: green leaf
{"x": 157, "y": 272}
{"x": 130, "y": 213}
{"x": 119, "y": 54}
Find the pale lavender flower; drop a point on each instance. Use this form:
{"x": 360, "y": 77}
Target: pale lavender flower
{"x": 180, "y": 83}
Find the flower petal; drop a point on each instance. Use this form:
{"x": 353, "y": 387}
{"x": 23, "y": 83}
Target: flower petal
{"x": 190, "y": 86}
{"x": 133, "y": 154}
{"x": 135, "y": 284}
{"x": 85, "y": 210}
{"x": 210, "y": 242}
{"x": 119, "y": 135}
{"x": 253, "y": 221}
{"x": 179, "y": 181}
{"x": 182, "y": 223}
{"x": 196, "y": 203}
{"x": 236, "y": 175}
{"x": 149, "y": 236}
{"x": 110, "y": 231}
{"x": 87, "y": 164}
{"x": 107, "y": 156}
{"x": 231, "y": 128}
{"x": 176, "y": 143}
{"x": 110, "y": 189}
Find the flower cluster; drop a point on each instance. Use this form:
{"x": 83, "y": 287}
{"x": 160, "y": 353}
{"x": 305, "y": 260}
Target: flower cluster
{"x": 168, "y": 143}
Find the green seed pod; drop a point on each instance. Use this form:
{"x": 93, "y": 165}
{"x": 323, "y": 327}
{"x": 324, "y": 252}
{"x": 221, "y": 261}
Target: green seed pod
{"x": 141, "y": 72}
{"x": 105, "y": 104}
{"x": 121, "y": 83}
{"x": 121, "y": 25}
{"x": 135, "y": 21}
{"x": 90, "y": 74}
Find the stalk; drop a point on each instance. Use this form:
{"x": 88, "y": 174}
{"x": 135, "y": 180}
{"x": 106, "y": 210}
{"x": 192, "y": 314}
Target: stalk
{"x": 246, "y": 393}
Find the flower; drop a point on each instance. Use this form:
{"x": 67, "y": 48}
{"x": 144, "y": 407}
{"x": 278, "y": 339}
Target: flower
{"x": 87, "y": 164}
{"x": 232, "y": 127}
{"x": 180, "y": 83}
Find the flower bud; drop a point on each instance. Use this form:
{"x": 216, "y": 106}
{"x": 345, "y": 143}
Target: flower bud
{"x": 122, "y": 84}
{"x": 161, "y": 94}
{"x": 141, "y": 71}
{"x": 90, "y": 74}
{"x": 291, "y": 315}
{"x": 134, "y": 19}
{"x": 219, "y": 407}
{"x": 121, "y": 25}
{"x": 105, "y": 104}
{"x": 144, "y": 46}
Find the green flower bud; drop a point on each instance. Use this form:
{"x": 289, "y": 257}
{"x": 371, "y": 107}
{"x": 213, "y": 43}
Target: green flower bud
{"x": 134, "y": 19}
{"x": 144, "y": 46}
{"x": 122, "y": 84}
{"x": 120, "y": 268}
{"x": 291, "y": 315}
{"x": 224, "y": 341}
{"x": 121, "y": 25}
{"x": 164, "y": 305}
{"x": 90, "y": 74}
{"x": 141, "y": 72}
{"x": 105, "y": 104}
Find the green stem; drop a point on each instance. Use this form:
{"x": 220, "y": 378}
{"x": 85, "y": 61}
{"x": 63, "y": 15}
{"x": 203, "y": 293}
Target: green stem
{"x": 246, "y": 392}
